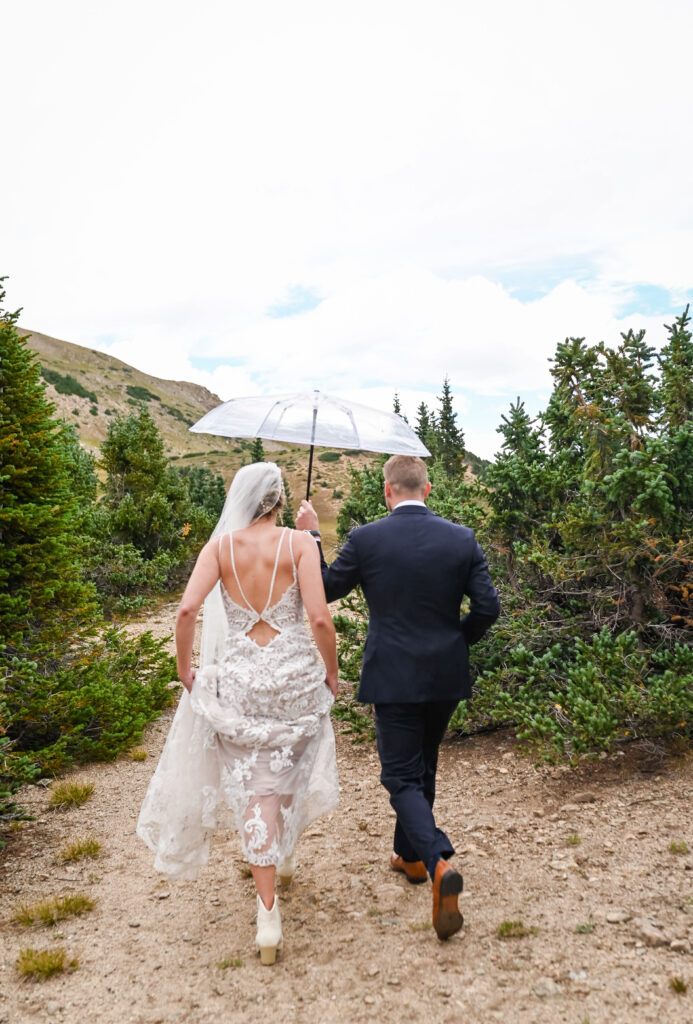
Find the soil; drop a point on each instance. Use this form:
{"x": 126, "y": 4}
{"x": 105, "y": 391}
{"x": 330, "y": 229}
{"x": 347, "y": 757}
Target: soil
{"x": 582, "y": 857}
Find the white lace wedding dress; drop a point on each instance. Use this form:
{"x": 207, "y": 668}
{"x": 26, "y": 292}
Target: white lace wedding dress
{"x": 252, "y": 745}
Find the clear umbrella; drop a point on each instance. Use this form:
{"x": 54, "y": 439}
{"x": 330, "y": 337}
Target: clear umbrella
{"x": 314, "y": 418}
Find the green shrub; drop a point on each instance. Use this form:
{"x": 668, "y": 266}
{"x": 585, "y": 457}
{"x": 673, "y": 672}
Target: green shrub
{"x": 66, "y": 384}
{"x": 177, "y": 414}
{"x": 141, "y": 394}
{"x": 91, "y": 705}
{"x": 581, "y": 697}
{"x": 329, "y": 456}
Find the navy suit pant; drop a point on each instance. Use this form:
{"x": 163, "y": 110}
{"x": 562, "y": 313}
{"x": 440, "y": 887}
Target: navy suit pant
{"x": 408, "y": 738}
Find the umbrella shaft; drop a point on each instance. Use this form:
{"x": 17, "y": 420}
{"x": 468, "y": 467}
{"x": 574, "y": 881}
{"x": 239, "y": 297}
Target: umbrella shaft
{"x": 312, "y": 447}
{"x": 310, "y": 471}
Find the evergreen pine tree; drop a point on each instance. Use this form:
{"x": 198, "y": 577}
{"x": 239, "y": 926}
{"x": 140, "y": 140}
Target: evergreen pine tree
{"x": 676, "y": 364}
{"x": 423, "y": 422}
{"x": 450, "y": 436}
{"x": 517, "y": 492}
{"x": 628, "y": 390}
{"x": 397, "y": 407}
{"x": 206, "y": 489}
{"x": 147, "y": 501}
{"x": 132, "y": 455}
{"x": 287, "y": 514}
{"x": 257, "y": 451}
{"x": 42, "y": 593}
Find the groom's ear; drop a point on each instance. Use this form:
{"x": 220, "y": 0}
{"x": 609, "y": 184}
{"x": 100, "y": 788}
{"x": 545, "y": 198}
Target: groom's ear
{"x": 428, "y": 489}
{"x": 388, "y": 489}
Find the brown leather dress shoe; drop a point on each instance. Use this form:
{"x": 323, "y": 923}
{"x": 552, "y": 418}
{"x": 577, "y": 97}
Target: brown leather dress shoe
{"x": 415, "y": 870}
{"x": 447, "y": 885}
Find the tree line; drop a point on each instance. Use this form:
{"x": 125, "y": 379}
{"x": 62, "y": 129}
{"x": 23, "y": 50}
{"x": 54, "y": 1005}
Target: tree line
{"x": 587, "y": 520}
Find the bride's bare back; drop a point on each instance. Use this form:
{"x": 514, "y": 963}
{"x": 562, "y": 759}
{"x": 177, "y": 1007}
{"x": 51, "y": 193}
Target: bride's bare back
{"x": 264, "y": 571}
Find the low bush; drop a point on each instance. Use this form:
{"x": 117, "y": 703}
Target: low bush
{"x": 140, "y": 393}
{"x": 91, "y": 704}
{"x": 66, "y": 384}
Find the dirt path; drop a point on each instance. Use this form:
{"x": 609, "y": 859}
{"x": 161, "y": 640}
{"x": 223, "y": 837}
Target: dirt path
{"x": 610, "y": 918}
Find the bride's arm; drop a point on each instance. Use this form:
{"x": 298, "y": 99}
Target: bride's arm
{"x": 204, "y": 576}
{"x": 313, "y": 594}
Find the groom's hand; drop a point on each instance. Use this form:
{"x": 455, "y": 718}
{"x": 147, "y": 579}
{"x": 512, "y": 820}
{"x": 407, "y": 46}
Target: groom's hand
{"x": 307, "y": 517}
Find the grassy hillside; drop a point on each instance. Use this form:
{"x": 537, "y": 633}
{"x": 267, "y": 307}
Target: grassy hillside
{"x": 89, "y": 388}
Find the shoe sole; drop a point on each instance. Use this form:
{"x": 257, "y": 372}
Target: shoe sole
{"x": 412, "y": 881}
{"x": 268, "y": 955}
{"x": 285, "y": 880}
{"x": 449, "y": 919}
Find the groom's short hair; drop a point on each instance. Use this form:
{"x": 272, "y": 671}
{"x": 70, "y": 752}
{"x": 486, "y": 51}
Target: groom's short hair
{"x": 406, "y": 473}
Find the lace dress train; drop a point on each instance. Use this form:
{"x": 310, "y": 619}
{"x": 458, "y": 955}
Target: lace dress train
{"x": 252, "y": 743}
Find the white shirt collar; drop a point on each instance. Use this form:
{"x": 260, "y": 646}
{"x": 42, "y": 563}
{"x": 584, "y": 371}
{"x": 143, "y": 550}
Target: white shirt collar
{"x": 410, "y": 501}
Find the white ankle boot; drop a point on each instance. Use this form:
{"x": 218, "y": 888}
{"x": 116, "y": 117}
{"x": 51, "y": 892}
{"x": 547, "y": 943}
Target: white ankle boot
{"x": 286, "y": 870}
{"x": 269, "y": 931}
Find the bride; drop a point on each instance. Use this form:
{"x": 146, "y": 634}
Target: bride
{"x": 251, "y": 743}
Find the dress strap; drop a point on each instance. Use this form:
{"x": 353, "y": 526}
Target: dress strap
{"x": 235, "y": 574}
{"x": 274, "y": 573}
{"x": 291, "y": 552}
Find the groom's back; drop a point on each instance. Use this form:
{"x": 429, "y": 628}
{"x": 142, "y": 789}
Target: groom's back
{"x": 415, "y": 569}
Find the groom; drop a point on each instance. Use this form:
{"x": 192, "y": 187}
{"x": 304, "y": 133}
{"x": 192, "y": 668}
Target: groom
{"x": 415, "y": 568}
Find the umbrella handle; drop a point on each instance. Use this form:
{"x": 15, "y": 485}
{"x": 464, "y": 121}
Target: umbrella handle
{"x": 312, "y": 446}
{"x": 310, "y": 471}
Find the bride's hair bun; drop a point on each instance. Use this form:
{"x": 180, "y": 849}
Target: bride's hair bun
{"x": 274, "y": 498}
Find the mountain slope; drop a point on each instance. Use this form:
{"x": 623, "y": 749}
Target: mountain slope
{"x": 114, "y": 388}
{"x": 89, "y": 388}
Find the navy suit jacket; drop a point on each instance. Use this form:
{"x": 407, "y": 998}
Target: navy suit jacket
{"x": 415, "y": 568}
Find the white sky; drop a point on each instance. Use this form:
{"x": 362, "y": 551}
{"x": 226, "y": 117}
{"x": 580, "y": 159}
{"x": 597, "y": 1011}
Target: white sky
{"x": 361, "y": 196}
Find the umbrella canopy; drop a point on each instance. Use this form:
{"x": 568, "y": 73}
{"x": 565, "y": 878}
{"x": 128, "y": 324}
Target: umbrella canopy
{"x": 314, "y": 418}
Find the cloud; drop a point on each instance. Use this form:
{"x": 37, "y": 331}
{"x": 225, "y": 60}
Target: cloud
{"x": 460, "y": 187}
{"x": 407, "y": 330}
{"x": 402, "y": 332}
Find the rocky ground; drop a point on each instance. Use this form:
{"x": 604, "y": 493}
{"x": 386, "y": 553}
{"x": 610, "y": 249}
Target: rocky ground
{"x": 584, "y": 858}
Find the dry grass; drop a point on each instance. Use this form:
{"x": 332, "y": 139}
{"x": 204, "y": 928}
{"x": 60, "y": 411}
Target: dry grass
{"x": 71, "y": 794}
{"x": 678, "y": 985}
{"x": 138, "y": 754}
{"x": 234, "y": 961}
{"x": 678, "y": 846}
{"x": 49, "y": 912}
{"x": 81, "y": 848}
{"x": 42, "y": 963}
{"x": 514, "y": 930}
